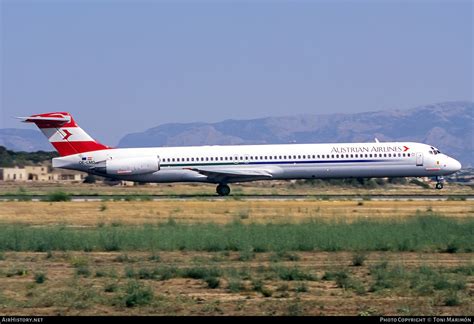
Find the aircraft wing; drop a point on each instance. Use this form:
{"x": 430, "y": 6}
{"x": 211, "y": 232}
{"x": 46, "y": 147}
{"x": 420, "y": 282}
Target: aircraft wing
{"x": 233, "y": 175}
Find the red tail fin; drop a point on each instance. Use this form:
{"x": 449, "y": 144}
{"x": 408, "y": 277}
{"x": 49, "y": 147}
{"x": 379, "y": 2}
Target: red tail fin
{"x": 64, "y": 134}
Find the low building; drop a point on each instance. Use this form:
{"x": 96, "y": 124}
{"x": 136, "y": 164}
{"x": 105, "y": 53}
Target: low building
{"x": 42, "y": 173}
{"x": 13, "y": 174}
{"x": 68, "y": 175}
{"x": 39, "y": 173}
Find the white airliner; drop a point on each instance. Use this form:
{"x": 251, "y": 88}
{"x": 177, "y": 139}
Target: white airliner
{"x": 238, "y": 163}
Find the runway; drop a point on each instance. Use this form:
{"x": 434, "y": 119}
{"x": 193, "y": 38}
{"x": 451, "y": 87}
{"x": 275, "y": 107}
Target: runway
{"x": 388, "y": 197}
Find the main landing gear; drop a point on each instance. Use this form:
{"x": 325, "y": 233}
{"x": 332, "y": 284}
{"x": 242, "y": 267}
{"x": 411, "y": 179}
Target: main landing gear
{"x": 223, "y": 190}
{"x": 439, "y": 183}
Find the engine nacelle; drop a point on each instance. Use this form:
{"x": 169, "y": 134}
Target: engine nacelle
{"x": 132, "y": 166}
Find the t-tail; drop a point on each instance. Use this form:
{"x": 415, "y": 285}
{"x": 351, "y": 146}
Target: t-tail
{"x": 64, "y": 134}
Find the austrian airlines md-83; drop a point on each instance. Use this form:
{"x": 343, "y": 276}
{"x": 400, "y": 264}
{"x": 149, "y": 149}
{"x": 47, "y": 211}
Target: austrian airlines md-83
{"x": 238, "y": 163}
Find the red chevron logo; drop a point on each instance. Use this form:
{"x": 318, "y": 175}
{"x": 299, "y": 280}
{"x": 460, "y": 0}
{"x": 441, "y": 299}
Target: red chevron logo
{"x": 68, "y": 134}
{"x": 406, "y": 148}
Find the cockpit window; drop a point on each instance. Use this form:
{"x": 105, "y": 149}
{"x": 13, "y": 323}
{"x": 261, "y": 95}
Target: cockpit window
{"x": 434, "y": 150}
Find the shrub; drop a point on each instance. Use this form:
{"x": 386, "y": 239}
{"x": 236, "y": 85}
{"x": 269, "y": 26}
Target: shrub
{"x": 199, "y": 273}
{"x": 452, "y": 299}
{"x": 236, "y": 286}
{"x": 40, "y": 277}
{"x": 111, "y": 287}
{"x": 293, "y": 274}
{"x": 301, "y": 287}
{"x": 358, "y": 259}
{"x": 246, "y": 255}
{"x": 123, "y": 258}
{"x": 83, "y": 271}
{"x": 155, "y": 257}
{"x": 284, "y": 256}
{"x": 452, "y": 247}
{"x": 57, "y": 196}
{"x": 137, "y": 295}
{"x": 212, "y": 282}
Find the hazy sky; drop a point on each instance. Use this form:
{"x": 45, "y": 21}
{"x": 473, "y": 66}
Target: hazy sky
{"x": 124, "y": 66}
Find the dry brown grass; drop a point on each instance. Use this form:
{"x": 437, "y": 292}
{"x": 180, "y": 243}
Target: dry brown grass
{"x": 223, "y": 211}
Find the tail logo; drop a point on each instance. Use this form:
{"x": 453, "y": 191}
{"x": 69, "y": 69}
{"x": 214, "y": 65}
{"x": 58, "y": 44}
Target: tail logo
{"x": 68, "y": 134}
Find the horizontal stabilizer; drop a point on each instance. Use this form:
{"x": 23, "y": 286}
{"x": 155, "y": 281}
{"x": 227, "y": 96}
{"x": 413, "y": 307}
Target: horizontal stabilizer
{"x": 64, "y": 119}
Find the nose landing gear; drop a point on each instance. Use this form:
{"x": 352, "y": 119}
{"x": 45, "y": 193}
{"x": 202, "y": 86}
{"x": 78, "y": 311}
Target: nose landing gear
{"x": 223, "y": 190}
{"x": 439, "y": 183}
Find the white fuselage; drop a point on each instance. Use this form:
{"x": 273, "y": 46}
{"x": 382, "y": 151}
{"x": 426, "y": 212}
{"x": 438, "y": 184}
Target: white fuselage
{"x": 240, "y": 163}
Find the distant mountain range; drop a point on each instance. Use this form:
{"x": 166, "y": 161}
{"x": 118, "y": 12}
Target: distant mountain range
{"x": 448, "y": 126}
{"x": 28, "y": 140}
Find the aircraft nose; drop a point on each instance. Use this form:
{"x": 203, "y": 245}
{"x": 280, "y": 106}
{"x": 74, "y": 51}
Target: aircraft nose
{"x": 454, "y": 165}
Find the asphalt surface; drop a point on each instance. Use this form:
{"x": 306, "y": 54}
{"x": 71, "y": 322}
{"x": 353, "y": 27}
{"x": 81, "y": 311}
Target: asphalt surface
{"x": 249, "y": 197}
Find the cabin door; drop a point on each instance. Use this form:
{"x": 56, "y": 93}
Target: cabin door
{"x": 419, "y": 158}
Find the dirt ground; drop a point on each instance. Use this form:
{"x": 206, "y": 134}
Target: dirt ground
{"x": 78, "y": 283}
{"x": 230, "y": 283}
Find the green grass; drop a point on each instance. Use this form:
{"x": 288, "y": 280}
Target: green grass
{"x": 57, "y": 196}
{"x": 419, "y": 233}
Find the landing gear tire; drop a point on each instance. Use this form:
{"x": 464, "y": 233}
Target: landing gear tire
{"x": 223, "y": 190}
{"x": 439, "y": 186}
